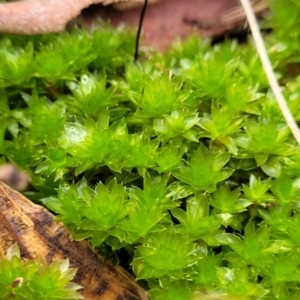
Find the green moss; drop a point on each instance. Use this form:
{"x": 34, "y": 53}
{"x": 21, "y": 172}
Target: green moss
{"x": 183, "y": 159}
{"x": 33, "y": 279}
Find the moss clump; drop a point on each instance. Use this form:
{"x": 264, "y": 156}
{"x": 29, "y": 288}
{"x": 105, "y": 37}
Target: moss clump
{"x": 34, "y": 279}
{"x": 183, "y": 160}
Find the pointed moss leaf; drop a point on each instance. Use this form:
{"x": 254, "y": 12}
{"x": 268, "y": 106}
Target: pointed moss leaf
{"x": 51, "y": 65}
{"x": 64, "y": 265}
{"x": 178, "y": 123}
{"x": 292, "y": 229}
{"x": 84, "y": 165}
{"x": 141, "y": 222}
{"x": 112, "y": 48}
{"x": 13, "y": 126}
{"x": 210, "y": 73}
{"x": 204, "y": 170}
{"x": 169, "y": 157}
{"x": 166, "y": 252}
{"x": 148, "y": 206}
{"x": 154, "y": 191}
{"x": 4, "y": 105}
{"x": 179, "y": 191}
{"x": 242, "y": 284}
{"x": 276, "y": 217}
{"x": 13, "y": 251}
{"x": 235, "y": 243}
{"x": 286, "y": 268}
{"x": 196, "y": 220}
{"x": 34, "y": 279}
{"x": 76, "y": 48}
{"x": 272, "y": 167}
{"x": 103, "y": 119}
{"x": 257, "y": 191}
{"x": 228, "y": 201}
{"x": 100, "y": 142}
{"x": 268, "y": 137}
{"x": 69, "y": 203}
{"x": 251, "y": 68}
{"x": 229, "y": 143}
{"x": 90, "y": 95}
{"x": 285, "y": 189}
{"x": 16, "y": 64}
{"x": 97, "y": 146}
{"x": 221, "y": 122}
{"x": 144, "y": 270}
{"x": 140, "y": 151}
{"x": 252, "y": 248}
{"x": 241, "y": 96}
{"x": 176, "y": 290}
{"x": 215, "y": 238}
{"x": 261, "y": 158}
{"x": 48, "y": 118}
{"x": 98, "y": 237}
{"x": 207, "y": 270}
{"x": 156, "y": 95}
{"x": 106, "y": 206}
{"x": 103, "y": 143}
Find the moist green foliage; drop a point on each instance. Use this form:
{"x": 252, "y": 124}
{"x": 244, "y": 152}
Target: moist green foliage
{"x": 33, "y": 279}
{"x": 183, "y": 160}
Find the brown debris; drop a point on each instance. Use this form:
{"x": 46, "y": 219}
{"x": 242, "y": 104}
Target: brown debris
{"x": 165, "y": 19}
{"x": 170, "y": 19}
{"x": 13, "y": 177}
{"x": 43, "y": 16}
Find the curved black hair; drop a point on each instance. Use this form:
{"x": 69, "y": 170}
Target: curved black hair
{"x": 137, "y": 40}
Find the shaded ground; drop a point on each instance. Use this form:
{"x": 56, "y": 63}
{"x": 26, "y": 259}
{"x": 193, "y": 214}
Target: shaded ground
{"x": 168, "y": 19}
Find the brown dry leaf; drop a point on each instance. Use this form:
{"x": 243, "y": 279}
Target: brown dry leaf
{"x": 43, "y": 16}
{"x": 235, "y": 16}
{"x": 130, "y": 4}
{"x": 167, "y": 20}
{"x": 35, "y": 231}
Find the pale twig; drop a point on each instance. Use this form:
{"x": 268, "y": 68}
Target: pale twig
{"x": 261, "y": 49}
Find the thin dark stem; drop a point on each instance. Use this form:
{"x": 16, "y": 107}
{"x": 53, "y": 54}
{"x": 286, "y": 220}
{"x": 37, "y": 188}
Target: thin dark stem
{"x": 137, "y": 40}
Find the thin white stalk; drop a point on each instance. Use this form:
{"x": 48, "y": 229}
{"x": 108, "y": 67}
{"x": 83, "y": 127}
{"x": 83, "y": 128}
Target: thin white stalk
{"x": 261, "y": 49}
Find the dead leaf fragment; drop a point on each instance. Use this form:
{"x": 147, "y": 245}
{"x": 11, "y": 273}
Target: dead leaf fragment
{"x": 43, "y": 16}
{"x": 167, "y": 20}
